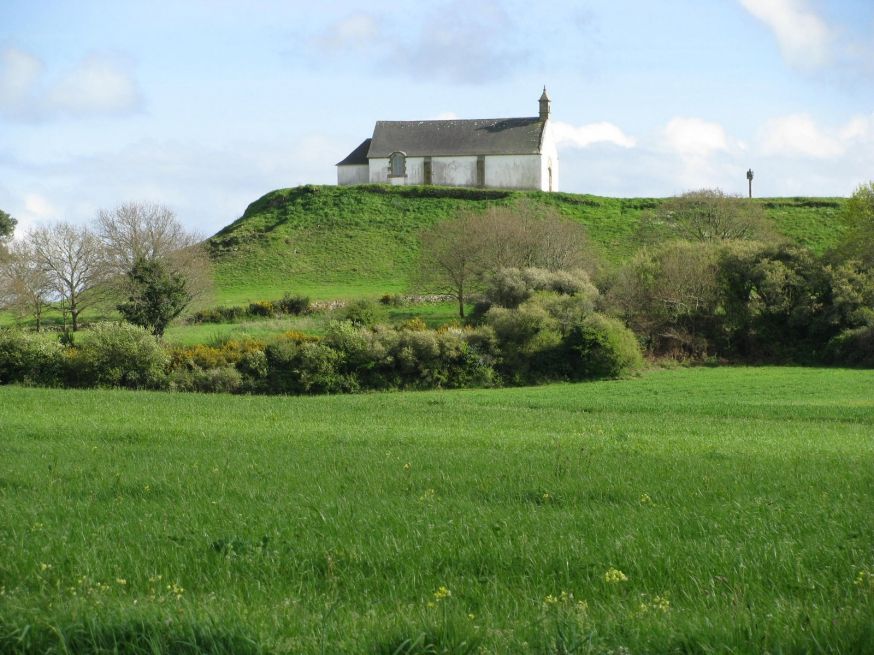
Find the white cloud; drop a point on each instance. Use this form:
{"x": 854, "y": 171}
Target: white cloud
{"x": 463, "y": 42}
{"x": 694, "y": 137}
{"x": 798, "y": 134}
{"x": 583, "y": 136}
{"x": 97, "y": 85}
{"x": 446, "y": 116}
{"x": 805, "y": 39}
{"x": 454, "y": 41}
{"x": 19, "y": 73}
{"x": 39, "y": 207}
{"x": 351, "y": 32}
{"x": 859, "y": 129}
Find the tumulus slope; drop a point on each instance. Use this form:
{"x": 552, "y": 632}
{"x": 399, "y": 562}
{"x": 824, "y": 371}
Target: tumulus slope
{"x": 335, "y": 242}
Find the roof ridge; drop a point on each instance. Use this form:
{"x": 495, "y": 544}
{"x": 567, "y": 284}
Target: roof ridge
{"x": 470, "y": 120}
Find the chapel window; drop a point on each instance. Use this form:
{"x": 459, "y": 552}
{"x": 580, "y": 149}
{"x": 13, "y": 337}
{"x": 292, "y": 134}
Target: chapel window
{"x": 397, "y": 165}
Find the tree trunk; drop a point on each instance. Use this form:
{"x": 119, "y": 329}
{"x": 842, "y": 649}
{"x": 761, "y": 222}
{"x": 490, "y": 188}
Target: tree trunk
{"x": 461, "y": 304}
{"x": 74, "y": 318}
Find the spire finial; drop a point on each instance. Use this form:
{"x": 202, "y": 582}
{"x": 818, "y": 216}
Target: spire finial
{"x": 544, "y": 105}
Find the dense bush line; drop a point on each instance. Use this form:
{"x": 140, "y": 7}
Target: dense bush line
{"x": 747, "y": 301}
{"x": 549, "y": 336}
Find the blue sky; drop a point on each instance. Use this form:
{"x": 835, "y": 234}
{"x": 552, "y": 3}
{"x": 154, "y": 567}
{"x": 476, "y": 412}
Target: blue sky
{"x": 205, "y": 105}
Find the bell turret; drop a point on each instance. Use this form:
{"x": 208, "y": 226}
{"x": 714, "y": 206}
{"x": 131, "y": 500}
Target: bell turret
{"x": 544, "y": 105}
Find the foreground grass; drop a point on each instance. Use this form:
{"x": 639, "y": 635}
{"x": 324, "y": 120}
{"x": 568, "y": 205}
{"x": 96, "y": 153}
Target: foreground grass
{"x": 737, "y": 502}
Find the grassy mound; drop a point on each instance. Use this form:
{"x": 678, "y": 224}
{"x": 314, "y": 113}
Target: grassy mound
{"x": 331, "y": 241}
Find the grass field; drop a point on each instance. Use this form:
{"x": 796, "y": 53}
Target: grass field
{"x": 432, "y": 314}
{"x": 691, "y": 511}
{"x": 345, "y": 242}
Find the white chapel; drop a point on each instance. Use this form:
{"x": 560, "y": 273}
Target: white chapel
{"x": 498, "y": 153}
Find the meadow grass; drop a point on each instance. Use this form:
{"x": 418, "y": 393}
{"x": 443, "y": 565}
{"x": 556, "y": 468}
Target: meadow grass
{"x": 433, "y": 315}
{"x": 693, "y": 511}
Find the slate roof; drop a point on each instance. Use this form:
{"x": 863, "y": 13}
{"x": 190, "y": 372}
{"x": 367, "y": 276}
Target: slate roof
{"x": 485, "y": 136}
{"x": 358, "y": 156}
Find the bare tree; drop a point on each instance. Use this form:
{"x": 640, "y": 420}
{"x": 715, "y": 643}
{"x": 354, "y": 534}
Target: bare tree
{"x": 146, "y": 232}
{"x": 456, "y": 254}
{"x": 711, "y": 215}
{"x": 72, "y": 256}
{"x": 140, "y": 231}
{"x": 25, "y": 285}
{"x": 451, "y": 257}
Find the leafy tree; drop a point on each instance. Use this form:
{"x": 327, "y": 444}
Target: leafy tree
{"x": 668, "y": 294}
{"x": 7, "y": 227}
{"x": 157, "y": 295}
{"x": 709, "y": 215}
{"x": 858, "y": 243}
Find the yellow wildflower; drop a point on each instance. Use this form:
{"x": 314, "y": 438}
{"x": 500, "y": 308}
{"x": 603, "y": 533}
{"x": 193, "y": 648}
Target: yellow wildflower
{"x": 661, "y": 603}
{"x": 442, "y": 593}
{"x": 614, "y": 575}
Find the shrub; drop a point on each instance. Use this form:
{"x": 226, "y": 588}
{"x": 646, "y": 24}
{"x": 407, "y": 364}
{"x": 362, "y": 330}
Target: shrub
{"x": 262, "y": 308}
{"x": 510, "y": 287}
{"x": 527, "y": 339}
{"x": 297, "y": 368}
{"x": 300, "y": 337}
{"x": 414, "y": 324}
{"x": 362, "y": 313}
{"x": 30, "y": 358}
{"x": 218, "y": 314}
{"x": 526, "y": 329}
{"x": 119, "y": 355}
{"x": 853, "y": 348}
{"x": 222, "y": 379}
{"x": 296, "y": 305}
{"x": 205, "y": 356}
{"x": 393, "y": 300}
{"x": 601, "y": 347}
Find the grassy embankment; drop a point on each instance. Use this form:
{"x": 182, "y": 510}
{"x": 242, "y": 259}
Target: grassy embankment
{"x": 736, "y": 502}
{"x": 341, "y": 242}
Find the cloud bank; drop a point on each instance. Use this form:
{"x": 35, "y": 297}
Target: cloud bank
{"x": 97, "y": 85}
{"x": 583, "y": 136}
{"x": 804, "y": 38}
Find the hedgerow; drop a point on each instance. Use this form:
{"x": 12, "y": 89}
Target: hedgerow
{"x": 540, "y": 340}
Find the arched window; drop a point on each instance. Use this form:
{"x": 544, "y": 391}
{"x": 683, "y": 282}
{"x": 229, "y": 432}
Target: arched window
{"x": 397, "y": 164}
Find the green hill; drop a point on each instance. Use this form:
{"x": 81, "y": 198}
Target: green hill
{"x": 331, "y": 241}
